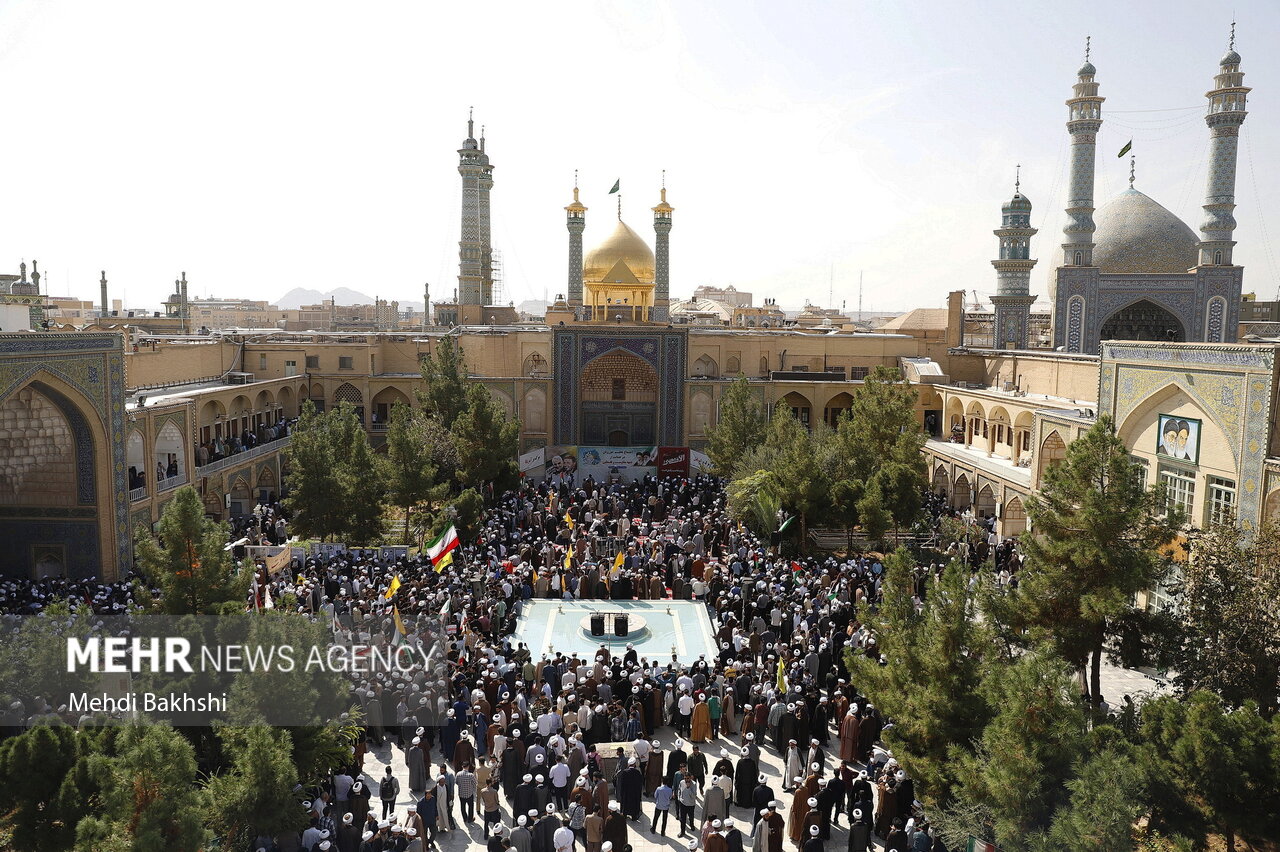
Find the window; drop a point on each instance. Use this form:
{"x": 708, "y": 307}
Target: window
{"x": 262, "y": 361}
{"x": 313, "y": 362}
{"x": 1164, "y": 597}
{"x": 857, "y": 374}
{"x": 619, "y": 389}
{"x": 344, "y": 362}
{"x": 1141, "y": 465}
{"x": 1179, "y": 488}
{"x": 1222, "y": 500}
{"x": 291, "y": 368}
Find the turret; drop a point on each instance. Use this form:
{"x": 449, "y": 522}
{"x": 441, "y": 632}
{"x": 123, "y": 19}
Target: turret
{"x": 662, "y": 255}
{"x": 576, "y": 221}
{"x": 1227, "y": 102}
{"x": 1013, "y": 297}
{"x": 1083, "y": 123}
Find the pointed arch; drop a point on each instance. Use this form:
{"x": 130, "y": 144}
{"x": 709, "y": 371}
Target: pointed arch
{"x": 1052, "y": 451}
{"x": 962, "y": 493}
{"x": 700, "y": 413}
{"x": 533, "y": 411}
{"x": 1144, "y": 319}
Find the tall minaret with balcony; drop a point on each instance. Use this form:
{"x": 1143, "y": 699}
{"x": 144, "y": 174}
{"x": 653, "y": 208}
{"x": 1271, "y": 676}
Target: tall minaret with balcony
{"x": 1013, "y": 297}
{"x": 475, "y": 250}
{"x": 576, "y": 221}
{"x": 1083, "y": 123}
{"x": 1226, "y": 113}
{"x": 662, "y": 257}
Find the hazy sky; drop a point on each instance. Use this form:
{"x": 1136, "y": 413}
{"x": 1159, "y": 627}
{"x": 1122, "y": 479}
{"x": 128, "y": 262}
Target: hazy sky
{"x": 265, "y": 146}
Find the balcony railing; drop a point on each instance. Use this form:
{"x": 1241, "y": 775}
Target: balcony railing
{"x": 171, "y": 482}
{"x": 244, "y": 456}
{"x": 136, "y": 494}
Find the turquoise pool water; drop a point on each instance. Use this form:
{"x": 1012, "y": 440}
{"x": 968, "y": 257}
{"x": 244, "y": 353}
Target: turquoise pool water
{"x": 679, "y": 627}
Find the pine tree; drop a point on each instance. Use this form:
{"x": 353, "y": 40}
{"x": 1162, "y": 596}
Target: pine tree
{"x": 316, "y": 498}
{"x": 487, "y": 441}
{"x": 794, "y": 460}
{"x": 1108, "y": 793}
{"x": 39, "y": 816}
{"x": 1229, "y": 610}
{"x": 255, "y": 797}
{"x": 411, "y": 470}
{"x": 188, "y": 561}
{"x": 1218, "y": 770}
{"x": 740, "y": 428}
{"x": 1097, "y": 542}
{"x": 444, "y": 375}
{"x": 1026, "y": 752}
{"x": 931, "y": 683}
{"x": 336, "y": 482}
{"x": 879, "y": 439}
{"x": 150, "y": 802}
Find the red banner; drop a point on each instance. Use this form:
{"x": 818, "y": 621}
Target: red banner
{"x": 673, "y": 461}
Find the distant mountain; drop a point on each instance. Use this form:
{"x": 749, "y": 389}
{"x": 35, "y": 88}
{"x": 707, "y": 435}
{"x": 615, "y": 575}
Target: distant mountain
{"x": 299, "y": 296}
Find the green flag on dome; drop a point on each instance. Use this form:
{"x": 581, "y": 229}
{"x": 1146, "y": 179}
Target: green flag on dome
{"x": 615, "y": 186}
{"x": 1126, "y": 148}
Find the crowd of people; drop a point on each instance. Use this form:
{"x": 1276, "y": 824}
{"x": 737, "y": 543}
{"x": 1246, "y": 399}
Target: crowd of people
{"x": 767, "y": 744}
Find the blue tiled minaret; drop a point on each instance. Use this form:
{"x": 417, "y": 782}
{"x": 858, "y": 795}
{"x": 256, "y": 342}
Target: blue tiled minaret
{"x": 1013, "y": 297}
{"x": 1083, "y": 123}
{"x": 1226, "y": 113}
{"x": 475, "y": 250}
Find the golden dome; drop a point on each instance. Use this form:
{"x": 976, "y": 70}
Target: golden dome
{"x": 624, "y": 246}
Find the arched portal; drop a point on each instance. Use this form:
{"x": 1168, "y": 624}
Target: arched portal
{"x": 533, "y": 413}
{"x": 986, "y": 503}
{"x": 940, "y": 480}
{"x": 700, "y": 413}
{"x": 1015, "y": 517}
{"x": 1052, "y": 451}
{"x": 836, "y": 406}
{"x": 962, "y": 494}
{"x": 136, "y": 459}
{"x": 1144, "y": 320}
{"x": 383, "y": 401}
{"x": 800, "y": 407}
{"x": 288, "y": 408}
{"x": 171, "y": 456}
{"x": 618, "y": 393}
{"x": 58, "y": 506}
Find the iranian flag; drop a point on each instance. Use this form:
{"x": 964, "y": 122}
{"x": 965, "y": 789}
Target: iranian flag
{"x": 440, "y": 549}
{"x": 976, "y": 845}
{"x": 399, "y": 638}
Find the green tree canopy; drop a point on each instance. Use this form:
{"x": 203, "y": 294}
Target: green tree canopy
{"x": 336, "y": 482}
{"x": 1218, "y": 770}
{"x": 188, "y": 561}
{"x": 411, "y": 467}
{"x": 256, "y": 795}
{"x": 931, "y": 684}
{"x": 1097, "y": 542}
{"x": 444, "y": 376}
{"x": 739, "y": 429}
{"x": 1229, "y": 611}
{"x": 487, "y": 441}
{"x": 149, "y": 801}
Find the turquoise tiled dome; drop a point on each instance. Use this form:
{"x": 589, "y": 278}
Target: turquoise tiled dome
{"x": 1136, "y": 235}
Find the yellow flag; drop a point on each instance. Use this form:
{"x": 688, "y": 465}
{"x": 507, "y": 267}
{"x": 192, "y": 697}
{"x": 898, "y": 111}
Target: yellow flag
{"x": 391, "y": 589}
{"x": 568, "y": 558}
{"x": 444, "y": 561}
{"x": 568, "y": 519}
{"x": 782, "y": 678}
{"x": 619, "y": 559}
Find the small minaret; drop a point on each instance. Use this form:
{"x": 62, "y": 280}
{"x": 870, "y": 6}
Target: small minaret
{"x": 1083, "y": 123}
{"x": 1013, "y": 297}
{"x": 103, "y": 283}
{"x": 426, "y": 305}
{"x": 183, "y": 305}
{"x": 575, "y": 219}
{"x": 475, "y": 249}
{"x": 1226, "y": 114}
{"x": 662, "y": 256}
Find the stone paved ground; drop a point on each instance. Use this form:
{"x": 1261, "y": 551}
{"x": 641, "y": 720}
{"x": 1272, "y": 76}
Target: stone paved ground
{"x": 1115, "y": 682}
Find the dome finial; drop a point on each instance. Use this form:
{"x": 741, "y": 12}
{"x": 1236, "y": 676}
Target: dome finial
{"x": 1017, "y": 180}
{"x": 470, "y": 123}
{"x": 1133, "y": 162}
{"x": 1087, "y": 47}
{"x": 1231, "y": 45}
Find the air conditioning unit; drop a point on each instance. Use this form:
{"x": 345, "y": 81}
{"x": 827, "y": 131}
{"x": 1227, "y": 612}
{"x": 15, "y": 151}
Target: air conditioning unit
{"x": 239, "y": 378}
